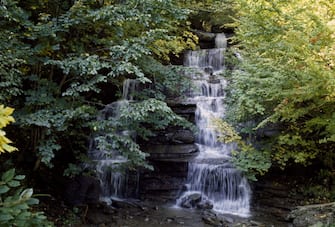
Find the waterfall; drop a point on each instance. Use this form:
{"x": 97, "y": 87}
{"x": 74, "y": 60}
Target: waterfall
{"x": 211, "y": 174}
{"x": 130, "y": 86}
{"x": 108, "y": 163}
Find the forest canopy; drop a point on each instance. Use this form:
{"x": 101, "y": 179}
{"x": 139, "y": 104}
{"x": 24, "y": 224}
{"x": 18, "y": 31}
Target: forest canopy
{"x": 63, "y": 61}
{"x": 286, "y": 79}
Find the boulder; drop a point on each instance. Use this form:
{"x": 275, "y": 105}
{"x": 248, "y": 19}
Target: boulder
{"x": 205, "y": 205}
{"x": 213, "y": 219}
{"x": 191, "y": 200}
{"x": 313, "y": 215}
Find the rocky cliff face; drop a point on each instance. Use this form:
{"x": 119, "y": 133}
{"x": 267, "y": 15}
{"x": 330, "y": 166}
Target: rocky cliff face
{"x": 278, "y": 194}
{"x": 272, "y": 198}
{"x": 170, "y": 150}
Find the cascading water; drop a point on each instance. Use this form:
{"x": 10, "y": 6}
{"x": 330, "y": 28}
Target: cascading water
{"x": 108, "y": 162}
{"x": 211, "y": 174}
{"x": 130, "y": 86}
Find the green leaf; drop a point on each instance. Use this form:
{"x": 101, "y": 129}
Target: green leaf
{"x": 19, "y": 177}
{"x": 5, "y": 217}
{"x": 22, "y": 206}
{"x": 14, "y": 183}
{"x": 26, "y": 194}
{"x": 8, "y": 175}
{"x": 4, "y": 189}
{"x": 32, "y": 201}
{"x": 24, "y": 215}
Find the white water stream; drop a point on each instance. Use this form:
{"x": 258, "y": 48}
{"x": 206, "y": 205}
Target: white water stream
{"x": 107, "y": 162}
{"x": 211, "y": 173}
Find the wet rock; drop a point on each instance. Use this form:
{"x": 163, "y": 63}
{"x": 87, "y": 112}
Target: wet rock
{"x": 173, "y": 152}
{"x": 318, "y": 215}
{"x": 183, "y": 136}
{"x": 173, "y": 136}
{"x": 209, "y": 70}
{"x": 256, "y": 223}
{"x": 191, "y": 200}
{"x": 183, "y": 108}
{"x": 212, "y": 221}
{"x": 227, "y": 219}
{"x": 205, "y": 204}
{"x": 165, "y": 183}
{"x": 213, "y": 79}
{"x": 125, "y": 204}
{"x": 211, "y": 218}
{"x": 169, "y": 220}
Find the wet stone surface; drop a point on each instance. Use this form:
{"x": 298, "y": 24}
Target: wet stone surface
{"x": 145, "y": 214}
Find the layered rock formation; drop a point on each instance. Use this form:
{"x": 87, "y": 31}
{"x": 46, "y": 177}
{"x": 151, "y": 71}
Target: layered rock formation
{"x": 170, "y": 150}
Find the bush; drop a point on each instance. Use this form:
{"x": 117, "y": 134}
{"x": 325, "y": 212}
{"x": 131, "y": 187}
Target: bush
{"x": 15, "y": 203}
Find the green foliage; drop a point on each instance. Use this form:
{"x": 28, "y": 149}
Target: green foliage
{"x": 250, "y": 161}
{"x": 209, "y": 15}
{"x": 175, "y": 45}
{"x": 135, "y": 120}
{"x": 317, "y": 193}
{"x": 167, "y": 81}
{"x": 15, "y": 203}
{"x": 13, "y": 50}
{"x": 151, "y": 112}
{"x": 286, "y": 77}
{"x": 319, "y": 188}
{"x": 51, "y": 123}
{"x": 57, "y": 56}
{"x": 72, "y": 170}
{"x": 126, "y": 146}
{"x": 15, "y": 206}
